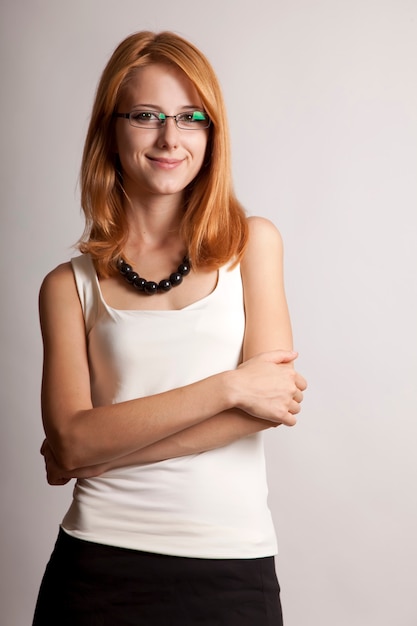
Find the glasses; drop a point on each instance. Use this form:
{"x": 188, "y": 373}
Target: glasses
{"x": 190, "y": 120}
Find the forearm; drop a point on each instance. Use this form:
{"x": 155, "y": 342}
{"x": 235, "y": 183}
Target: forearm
{"x": 215, "y": 432}
{"x": 103, "y": 434}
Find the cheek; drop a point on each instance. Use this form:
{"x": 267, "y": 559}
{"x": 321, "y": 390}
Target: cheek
{"x": 128, "y": 142}
{"x": 123, "y": 142}
{"x": 200, "y": 147}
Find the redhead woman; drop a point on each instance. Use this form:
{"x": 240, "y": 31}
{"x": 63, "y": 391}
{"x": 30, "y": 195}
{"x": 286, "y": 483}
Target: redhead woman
{"x": 167, "y": 352}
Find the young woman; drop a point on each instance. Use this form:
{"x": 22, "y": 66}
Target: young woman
{"x": 167, "y": 350}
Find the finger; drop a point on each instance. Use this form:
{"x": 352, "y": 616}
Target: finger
{"x": 301, "y": 382}
{"x": 298, "y": 396}
{"x": 290, "y": 419}
{"x": 281, "y": 356}
{"x": 57, "y": 480}
{"x": 294, "y": 407}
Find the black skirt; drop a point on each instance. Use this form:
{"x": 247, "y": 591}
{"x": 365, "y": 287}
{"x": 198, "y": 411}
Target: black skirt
{"x": 89, "y": 584}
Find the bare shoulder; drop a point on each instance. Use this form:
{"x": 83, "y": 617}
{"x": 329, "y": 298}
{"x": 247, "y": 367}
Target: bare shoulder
{"x": 61, "y": 272}
{"x": 264, "y": 239}
{"x": 58, "y": 294}
{"x": 262, "y": 224}
{"x": 60, "y": 279}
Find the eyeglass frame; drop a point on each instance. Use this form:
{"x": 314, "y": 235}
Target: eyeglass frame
{"x": 127, "y": 116}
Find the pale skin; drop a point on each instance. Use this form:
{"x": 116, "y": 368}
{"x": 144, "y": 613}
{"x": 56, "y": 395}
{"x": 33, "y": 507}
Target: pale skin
{"x": 263, "y": 392}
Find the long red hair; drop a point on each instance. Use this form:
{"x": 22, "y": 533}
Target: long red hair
{"x": 214, "y": 226}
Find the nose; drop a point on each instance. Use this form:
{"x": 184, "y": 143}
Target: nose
{"x": 168, "y": 133}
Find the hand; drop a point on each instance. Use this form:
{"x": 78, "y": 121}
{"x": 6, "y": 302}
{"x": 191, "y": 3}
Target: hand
{"x": 55, "y": 475}
{"x": 270, "y": 388}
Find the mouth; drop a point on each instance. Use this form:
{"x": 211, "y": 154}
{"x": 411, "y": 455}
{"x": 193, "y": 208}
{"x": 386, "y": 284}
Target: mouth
{"x": 165, "y": 163}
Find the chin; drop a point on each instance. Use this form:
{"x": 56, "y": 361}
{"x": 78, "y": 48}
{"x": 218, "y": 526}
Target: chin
{"x": 171, "y": 188}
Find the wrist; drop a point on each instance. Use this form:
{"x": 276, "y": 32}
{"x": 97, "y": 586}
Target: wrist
{"x": 232, "y": 395}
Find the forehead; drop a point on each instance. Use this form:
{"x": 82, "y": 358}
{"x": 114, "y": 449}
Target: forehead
{"x": 161, "y": 85}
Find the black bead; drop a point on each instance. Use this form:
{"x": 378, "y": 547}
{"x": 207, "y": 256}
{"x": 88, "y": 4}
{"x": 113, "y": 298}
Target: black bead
{"x": 124, "y": 268}
{"x": 139, "y": 283}
{"x": 150, "y": 287}
{"x": 175, "y": 278}
{"x": 165, "y": 285}
{"x": 131, "y": 276}
{"x": 184, "y": 268}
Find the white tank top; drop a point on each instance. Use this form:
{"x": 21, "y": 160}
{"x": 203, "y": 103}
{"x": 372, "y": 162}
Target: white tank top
{"x": 207, "y": 505}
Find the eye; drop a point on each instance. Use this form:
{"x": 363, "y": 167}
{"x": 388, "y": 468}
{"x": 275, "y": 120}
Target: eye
{"x": 145, "y": 117}
{"x": 194, "y": 119}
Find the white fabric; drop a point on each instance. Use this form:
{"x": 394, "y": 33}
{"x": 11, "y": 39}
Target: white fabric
{"x": 208, "y": 505}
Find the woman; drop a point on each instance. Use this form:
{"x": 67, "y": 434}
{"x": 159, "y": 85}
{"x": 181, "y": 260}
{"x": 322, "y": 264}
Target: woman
{"x": 155, "y": 391}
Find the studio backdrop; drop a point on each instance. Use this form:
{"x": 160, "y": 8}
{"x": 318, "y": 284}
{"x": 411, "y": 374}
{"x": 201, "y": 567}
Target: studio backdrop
{"x": 322, "y": 107}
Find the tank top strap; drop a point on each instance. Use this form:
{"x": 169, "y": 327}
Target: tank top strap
{"x": 87, "y": 286}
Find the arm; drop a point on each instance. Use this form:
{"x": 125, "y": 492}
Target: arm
{"x": 263, "y": 309}
{"x": 268, "y": 325}
{"x": 213, "y": 433}
{"x": 81, "y": 436}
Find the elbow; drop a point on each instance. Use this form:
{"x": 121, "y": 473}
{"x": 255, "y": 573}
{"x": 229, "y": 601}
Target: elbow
{"x": 67, "y": 461}
{"x": 66, "y": 446}
{"x": 65, "y": 454}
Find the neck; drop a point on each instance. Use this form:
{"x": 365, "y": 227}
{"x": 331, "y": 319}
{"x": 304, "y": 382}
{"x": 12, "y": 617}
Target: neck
{"x": 154, "y": 221}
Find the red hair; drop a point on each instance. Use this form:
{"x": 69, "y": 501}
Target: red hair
{"x": 214, "y": 226}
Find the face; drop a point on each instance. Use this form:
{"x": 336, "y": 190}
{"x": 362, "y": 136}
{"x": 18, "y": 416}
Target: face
{"x": 159, "y": 161}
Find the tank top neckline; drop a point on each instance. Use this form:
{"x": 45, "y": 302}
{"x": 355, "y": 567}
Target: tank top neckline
{"x": 148, "y": 311}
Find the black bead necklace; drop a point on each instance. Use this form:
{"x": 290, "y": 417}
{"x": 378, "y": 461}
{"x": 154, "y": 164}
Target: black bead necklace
{"x": 149, "y": 286}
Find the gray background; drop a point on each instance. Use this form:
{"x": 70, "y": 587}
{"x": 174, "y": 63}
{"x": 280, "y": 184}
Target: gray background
{"x": 322, "y": 101}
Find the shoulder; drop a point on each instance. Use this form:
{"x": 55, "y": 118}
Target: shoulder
{"x": 257, "y": 223}
{"x": 60, "y": 307}
{"x": 64, "y": 276}
{"x": 264, "y": 239}
{"x": 59, "y": 278}
{"x": 58, "y": 290}
{"x": 262, "y": 262}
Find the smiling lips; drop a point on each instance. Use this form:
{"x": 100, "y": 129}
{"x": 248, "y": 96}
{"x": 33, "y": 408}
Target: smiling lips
{"x": 166, "y": 164}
